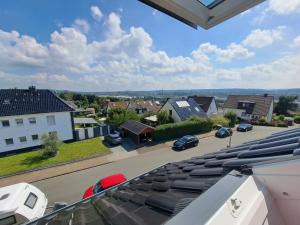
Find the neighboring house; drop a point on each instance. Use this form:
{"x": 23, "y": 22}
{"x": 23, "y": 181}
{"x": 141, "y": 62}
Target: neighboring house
{"x": 144, "y": 106}
{"x": 250, "y": 107}
{"x": 108, "y": 105}
{"x": 25, "y": 115}
{"x": 182, "y": 109}
{"x": 208, "y": 104}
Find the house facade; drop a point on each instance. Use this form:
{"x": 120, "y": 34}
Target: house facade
{"x": 208, "y": 104}
{"x": 25, "y": 115}
{"x": 182, "y": 109}
{"x": 250, "y": 107}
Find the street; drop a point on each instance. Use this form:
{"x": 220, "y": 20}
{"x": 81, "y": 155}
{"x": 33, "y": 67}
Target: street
{"x": 70, "y": 187}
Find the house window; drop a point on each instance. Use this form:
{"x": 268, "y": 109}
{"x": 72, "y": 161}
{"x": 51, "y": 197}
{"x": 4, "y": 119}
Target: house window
{"x": 9, "y": 141}
{"x": 19, "y": 122}
{"x": 5, "y": 123}
{"x": 32, "y": 120}
{"x": 51, "y": 120}
{"x": 170, "y": 112}
{"x": 23, "y": 139}
{"x": 35, "y": 137}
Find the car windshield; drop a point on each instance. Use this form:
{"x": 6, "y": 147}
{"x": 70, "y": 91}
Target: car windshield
{"x": 97, "y": 188}
{"x": 223, "y": 130}
{"x": 114, "y": 136}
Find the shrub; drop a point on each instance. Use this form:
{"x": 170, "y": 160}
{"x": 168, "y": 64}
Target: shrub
{"x": 216, "y": 120}
{"x": 297, "y": 119}
{"x": 189, "y": 127}
{"x": 162, "y": 117}
{"x": 263, "y": 120}
{"x": 120, "y": 116}
{"x": 281, "y": 117}
{"x": 231, "y": 116}
{"x": 50, "y": 144}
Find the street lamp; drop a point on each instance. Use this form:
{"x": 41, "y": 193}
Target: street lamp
{"x": 230, "y": 135}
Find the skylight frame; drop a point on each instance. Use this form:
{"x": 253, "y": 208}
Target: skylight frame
{"x": 213, "y": 4}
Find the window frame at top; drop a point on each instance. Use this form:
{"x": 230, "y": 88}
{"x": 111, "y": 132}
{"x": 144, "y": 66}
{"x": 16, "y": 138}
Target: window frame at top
{"x": 31, "y": 119}
{"x": 18, "y": 120}
{"x": 3, "y": 121}
{"x": 212, "y": 4}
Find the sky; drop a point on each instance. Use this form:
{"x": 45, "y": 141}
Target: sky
{"x": 117, "y": 45}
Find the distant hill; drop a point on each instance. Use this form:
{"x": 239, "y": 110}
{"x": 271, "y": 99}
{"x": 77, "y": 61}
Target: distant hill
{"x": 218, "y": 93}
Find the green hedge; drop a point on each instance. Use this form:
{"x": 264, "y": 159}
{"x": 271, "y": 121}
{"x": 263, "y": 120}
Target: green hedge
{"x": 297, "y": 119}
{"x": 176, "y": 130}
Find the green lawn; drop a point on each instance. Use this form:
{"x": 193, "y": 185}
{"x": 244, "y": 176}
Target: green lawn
{"x": 67, "y": 152}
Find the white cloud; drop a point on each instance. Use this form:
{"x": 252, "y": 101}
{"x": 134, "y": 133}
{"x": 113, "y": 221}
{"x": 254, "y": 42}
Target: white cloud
{"x": 96, "y": 13}
{"x": 128, "y": 60}
{"x": 284, "y": 7}
{"x": 81, "y": 25}
{"x": 296, "y": 42}
{"x": 261, "y": 38}
{"x": 233, "y": 51}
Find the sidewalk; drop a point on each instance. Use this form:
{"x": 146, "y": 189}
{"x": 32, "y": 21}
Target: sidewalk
{"x": 65, "y": 169}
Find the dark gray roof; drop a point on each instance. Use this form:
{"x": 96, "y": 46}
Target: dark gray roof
{"x": 135, "y": 126}
{"x": 186, "y": 112}
{"x": 203, "y": 101}
{"x": 159, "y": 195}
{"x": 261, "y": 104}
{"x": 30, "y": 101}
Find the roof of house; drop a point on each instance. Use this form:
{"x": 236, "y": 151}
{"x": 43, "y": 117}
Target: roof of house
{"x": 151, "y": 106}
{"x": 118, "y": 105}
{"x": 135, "y": 126}
{"x": 186, "y": 108}
{"x": 79, "y": 120}
{"x": 203, "y": 101}
{"x": 30, "y": 101}
{"x": 159, "y": 195}
{"x": 261, "y": 107}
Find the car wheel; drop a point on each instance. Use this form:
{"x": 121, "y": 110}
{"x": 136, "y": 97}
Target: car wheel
{"x": 183, "y": 148}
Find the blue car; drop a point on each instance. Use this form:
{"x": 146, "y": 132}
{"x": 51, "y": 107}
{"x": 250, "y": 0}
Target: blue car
{"x": 244, "y": 127}
{"x": 185, "y": 142}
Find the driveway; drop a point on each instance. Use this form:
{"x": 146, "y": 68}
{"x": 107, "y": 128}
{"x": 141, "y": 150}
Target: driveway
{"x": 70, "y": 187}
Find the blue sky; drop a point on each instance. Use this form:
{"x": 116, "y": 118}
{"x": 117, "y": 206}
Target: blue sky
{"x": 102, "y": 45}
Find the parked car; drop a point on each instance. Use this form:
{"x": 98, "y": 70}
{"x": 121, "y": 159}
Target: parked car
{"x": 185, "y": 142}
{"x": 113, "y": 139}
{"x": 223, "y": 132}
{"x": 243, "y": 127}
{"x": 103, "y": 184}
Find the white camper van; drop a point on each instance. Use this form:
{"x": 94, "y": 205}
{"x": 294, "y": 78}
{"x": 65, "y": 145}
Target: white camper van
{"x": 20, "y": 203}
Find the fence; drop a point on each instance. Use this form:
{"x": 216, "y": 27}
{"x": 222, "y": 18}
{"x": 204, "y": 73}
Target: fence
{"x": 91, "y": 132}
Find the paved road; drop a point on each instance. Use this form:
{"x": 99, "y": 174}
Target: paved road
{"x": 69, "y": 188}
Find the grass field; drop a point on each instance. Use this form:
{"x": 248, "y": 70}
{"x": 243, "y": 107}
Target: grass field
{"x": 67, "y": 152}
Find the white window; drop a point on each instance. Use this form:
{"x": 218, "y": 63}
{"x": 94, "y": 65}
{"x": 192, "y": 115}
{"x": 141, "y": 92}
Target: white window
{"x": 51, "y": 120}
{"x": 23, "y": 139}
{"x": 32, "y": 120}
{"x": 9, "y": 141}
{"x": 19, "y": 122}
{"x": 35, "y": 137}
{"x": 5, "y": 123}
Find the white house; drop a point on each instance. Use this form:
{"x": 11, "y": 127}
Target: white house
{"x": 208, "y": 104}
{"x": 25, "y": 115}
{"x": 182, "y": 109}
{"x": 250, "y": 107}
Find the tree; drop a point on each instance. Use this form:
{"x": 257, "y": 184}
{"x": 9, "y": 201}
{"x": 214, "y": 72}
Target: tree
{"x": 162, "y": 117}
{"x": 50, "y": 144}
{"x": 119, "y": 116}
{"x": 231, "y": 116}
{"x": 286, "y": 103}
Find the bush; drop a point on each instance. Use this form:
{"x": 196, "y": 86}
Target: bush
{"x": 281, "y": 117}
{"x": 216, "y": 120}
{"x": 231, "y": 116}
{"x": 50, "y": 144}
{"x": 297, "y": 119}
{"x": 189, "y": 127}
{"x": 162, "y": 117}
{"x": 120, "y": 116}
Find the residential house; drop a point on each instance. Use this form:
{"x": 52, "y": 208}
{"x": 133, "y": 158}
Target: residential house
{"x": 108, "y": 105}
{"x": 25, "y": 115}
{"x": 208, "y": 104}
{"x": 144, "y": 106}
{"x": 250, "y": 107}
{"x": 182, "y": 109}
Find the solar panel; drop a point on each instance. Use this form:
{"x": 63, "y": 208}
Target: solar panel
{"x": 182, "y": 104}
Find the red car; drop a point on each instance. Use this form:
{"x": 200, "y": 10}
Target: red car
{"x": 104, "y": 183}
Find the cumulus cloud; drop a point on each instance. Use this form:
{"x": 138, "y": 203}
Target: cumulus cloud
{"x": 284, "y": 7}
{"x": 127, "y": 60}
{"x": 96, "y": 13}
{"x": 296, "y": 42}
{"x": 261, "y": 38}
{"x": 81, "y": 25}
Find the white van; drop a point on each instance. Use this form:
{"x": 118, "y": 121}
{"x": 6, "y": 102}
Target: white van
{"x": 20, "y": 203}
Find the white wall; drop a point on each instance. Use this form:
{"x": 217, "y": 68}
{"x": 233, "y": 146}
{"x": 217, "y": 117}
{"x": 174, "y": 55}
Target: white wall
{"x": 212, "y": 110}
{"x": 168, "y": 107}
{"x": 63, "y": 127}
